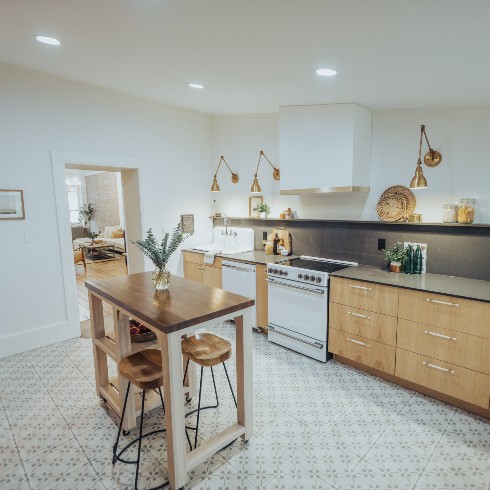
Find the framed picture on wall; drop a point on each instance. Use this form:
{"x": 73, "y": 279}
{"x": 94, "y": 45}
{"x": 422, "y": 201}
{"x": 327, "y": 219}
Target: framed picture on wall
{"x": 187, "y": 223}
{"x": 253, "y": 202}
{"x": 11, "y": 204}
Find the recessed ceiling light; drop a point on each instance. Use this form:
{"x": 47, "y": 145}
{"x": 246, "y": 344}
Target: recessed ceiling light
{"x": 326, "y": 72}
{"x": 48, "y": 40}
{"x": 196, "y": 85}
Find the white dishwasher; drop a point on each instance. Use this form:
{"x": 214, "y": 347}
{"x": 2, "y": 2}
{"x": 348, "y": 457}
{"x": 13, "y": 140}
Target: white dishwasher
{"x": 239, "y": 278}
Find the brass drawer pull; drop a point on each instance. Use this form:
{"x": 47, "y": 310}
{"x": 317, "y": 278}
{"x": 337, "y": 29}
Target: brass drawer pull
{"x": 358, "y": 342}
{"x": 359, "y": 315}
{"x": 442, "y": 302}
{"x": 434, "y": 334}
{"x": 433, "y": 366}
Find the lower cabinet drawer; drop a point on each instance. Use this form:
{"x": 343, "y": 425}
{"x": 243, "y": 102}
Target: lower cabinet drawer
{"x": 374, "y": 326}
{"x": 461, "y": 383}
{"x": 446, "y": 345}
{"x": 362, "y": 350}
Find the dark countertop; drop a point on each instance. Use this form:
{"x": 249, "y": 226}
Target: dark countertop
{"x": 254, "y": 257}
{"x": 434, "y": 283}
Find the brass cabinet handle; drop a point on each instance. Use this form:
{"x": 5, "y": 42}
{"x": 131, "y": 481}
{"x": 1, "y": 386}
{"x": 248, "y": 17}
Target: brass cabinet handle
{"x": 360, "y": 287}
{"x": 439, "y": 368}
{"x": 440, "y": 335}
{"x": 359, "y": 315}
{"x": 446, "y": 303}
{"x": 358, "y": 342}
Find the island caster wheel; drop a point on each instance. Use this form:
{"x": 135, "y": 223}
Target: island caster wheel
{"x": 126, "y": 432}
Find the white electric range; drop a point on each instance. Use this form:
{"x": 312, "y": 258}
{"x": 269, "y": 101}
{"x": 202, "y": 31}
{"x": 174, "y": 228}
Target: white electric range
{"x": 298, "y": 303}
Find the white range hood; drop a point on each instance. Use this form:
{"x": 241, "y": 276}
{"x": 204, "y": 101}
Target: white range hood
{"x": 324, "y": 149}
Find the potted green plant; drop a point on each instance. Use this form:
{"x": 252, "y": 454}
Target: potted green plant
{"x": 263, "y": 210}
{"x": 396, "y": 256}
{"x": 92, "y": 236}
{"x": 159, "y": 254}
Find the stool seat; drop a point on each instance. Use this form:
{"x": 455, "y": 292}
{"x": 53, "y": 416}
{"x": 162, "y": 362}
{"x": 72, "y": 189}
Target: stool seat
{"x": 143, "y": 369}
{"x": 206, "y": 349}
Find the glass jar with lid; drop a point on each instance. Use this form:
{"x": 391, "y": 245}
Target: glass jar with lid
{"x": 466, "y": 210}
{"x": 450, "y": 213}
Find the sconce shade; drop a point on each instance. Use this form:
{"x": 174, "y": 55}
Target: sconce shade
{"x": 234, "y": 176}
{"x": 215, "y": 186}
{"x": 255, "y": 186}
{"x": 418, "y": 181}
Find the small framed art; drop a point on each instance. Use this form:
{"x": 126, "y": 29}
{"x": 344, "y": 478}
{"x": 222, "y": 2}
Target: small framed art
{"x": 11, "y": 204}
{"x": 187, "y": 223}
{"x": 253, "y": 202}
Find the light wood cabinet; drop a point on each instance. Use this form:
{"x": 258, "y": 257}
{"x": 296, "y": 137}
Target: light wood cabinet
{"x": 463, "y": 384}
{"x": 362, "y": 350}
{"x": 433, "y": 343}
{"x": 262, "y": 303}
{"x": 196, "y": 270}
{"x": 444, "y": 344}
{"x": 459, "y": 314}
{"x": 364, "y": 295}
{"x": 375, "y": 326}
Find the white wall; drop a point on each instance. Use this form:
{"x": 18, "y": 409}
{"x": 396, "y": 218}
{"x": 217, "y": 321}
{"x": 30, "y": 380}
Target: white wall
{"x": 461, "y": 135}
{"x": 40, "y": 114}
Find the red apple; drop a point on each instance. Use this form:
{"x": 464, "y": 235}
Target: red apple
{"x": 134, "y": 330}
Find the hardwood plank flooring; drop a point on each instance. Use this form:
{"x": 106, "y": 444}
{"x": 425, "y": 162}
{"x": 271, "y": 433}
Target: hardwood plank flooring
{"x": 95, "y": 271}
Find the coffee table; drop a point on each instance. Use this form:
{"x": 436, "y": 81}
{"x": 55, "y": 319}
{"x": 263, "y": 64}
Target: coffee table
{"x": 98, "y": 251}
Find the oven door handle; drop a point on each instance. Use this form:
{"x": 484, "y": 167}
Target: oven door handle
{"x": 316, "y": 345}
{"x": 316, "y": 291}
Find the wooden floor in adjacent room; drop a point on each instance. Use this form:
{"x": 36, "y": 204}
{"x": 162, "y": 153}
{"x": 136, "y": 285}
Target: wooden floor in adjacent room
{"x": 95, "y": 271}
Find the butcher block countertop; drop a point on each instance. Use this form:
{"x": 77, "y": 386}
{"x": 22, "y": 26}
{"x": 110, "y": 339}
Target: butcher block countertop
{"x": 460, "y": 287}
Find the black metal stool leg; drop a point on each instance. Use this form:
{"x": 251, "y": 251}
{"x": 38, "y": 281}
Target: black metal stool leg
{"x": 139, "y": 441}
{"x": 229, "y": 383}
{"x": 114, "y": 448}
{"x": 161, "y": 398}
{"x": 215, "y": 390}
{"x": 198, "y": 407}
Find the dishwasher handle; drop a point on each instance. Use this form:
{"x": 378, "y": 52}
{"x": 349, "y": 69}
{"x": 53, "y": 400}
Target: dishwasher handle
{"x": 242, "y": 269}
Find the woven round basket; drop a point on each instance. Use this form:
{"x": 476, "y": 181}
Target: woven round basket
{"x": 391, "y": 207}
{"x": 406, "y": 194}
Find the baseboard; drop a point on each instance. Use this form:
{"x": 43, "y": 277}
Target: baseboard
{"x": 18, "y": 342}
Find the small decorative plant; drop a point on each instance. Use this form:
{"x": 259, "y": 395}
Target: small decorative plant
{"x": 264, "y": 209}
{"x": 92, "y": 235}
{"x": 396, "y": 256}
{"x": 86, "y": 214}
{"x": 160, "y": 254}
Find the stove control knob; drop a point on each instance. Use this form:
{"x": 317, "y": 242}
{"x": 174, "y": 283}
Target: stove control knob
{"x": 285, "y": 273}
{"x": 307, "y": 277}
{"x": 318, "y": 279}
{"x": 276, "y": 271}
{"x": 300, "y": 276}
{"x": 281, "y": 273}
{"x": 270, "y": 271}
{"x": 312, "y": 278}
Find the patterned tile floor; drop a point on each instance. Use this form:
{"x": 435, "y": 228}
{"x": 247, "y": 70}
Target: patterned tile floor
{"x": 317, "y": 426}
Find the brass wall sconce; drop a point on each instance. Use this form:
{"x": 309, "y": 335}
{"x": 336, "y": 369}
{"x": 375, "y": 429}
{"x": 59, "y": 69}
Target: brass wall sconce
{"x": 432, "y": 158}
{"x": 234, "y": 176}
{"x": 276, "y": 174}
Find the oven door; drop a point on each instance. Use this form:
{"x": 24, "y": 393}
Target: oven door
{"x": 300, "y": 308}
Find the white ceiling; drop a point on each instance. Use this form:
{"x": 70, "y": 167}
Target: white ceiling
{"x": 256, "y": 55}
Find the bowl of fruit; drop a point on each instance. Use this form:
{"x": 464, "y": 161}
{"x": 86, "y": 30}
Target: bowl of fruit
{"x": 140, "y": 333}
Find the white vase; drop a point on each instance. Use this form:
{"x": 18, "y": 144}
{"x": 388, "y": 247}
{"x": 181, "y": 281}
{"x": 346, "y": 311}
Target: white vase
{"x": 263, "y": 214}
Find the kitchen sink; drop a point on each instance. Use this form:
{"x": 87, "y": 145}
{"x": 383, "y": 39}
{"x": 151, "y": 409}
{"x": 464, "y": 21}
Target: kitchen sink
{"x": 229, "y": 241}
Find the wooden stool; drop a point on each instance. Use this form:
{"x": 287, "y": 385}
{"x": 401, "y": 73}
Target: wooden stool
{"x": 144, "y": 370}
{"x": 207, "y": 350}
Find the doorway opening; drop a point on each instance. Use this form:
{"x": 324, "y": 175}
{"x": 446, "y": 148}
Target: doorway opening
{"x": 70, "y": 173}
{"x": 96, "y": 209}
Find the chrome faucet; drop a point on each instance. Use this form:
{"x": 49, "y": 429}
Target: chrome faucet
{"x": 226, "y": 232}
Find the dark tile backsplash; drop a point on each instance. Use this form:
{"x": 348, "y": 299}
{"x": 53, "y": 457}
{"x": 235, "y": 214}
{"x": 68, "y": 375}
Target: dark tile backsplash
{"x": 452, "y": 250}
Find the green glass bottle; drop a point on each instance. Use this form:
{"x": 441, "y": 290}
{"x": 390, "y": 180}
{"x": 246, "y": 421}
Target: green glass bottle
{"x": 409, "y": 260}
{"x": 417, "y": 260}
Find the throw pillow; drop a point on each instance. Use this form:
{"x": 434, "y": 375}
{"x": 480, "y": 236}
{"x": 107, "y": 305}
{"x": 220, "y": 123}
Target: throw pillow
{"x": 118, "y": 234}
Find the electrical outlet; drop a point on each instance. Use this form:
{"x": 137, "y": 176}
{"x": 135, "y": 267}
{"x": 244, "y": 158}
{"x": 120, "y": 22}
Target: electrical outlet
{"x": 381, "y": 243}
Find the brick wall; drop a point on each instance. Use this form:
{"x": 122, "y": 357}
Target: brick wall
{"x": 102, "y": 193}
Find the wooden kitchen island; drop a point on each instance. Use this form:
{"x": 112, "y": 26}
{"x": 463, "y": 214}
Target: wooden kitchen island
{"x": 180, "y": 311}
